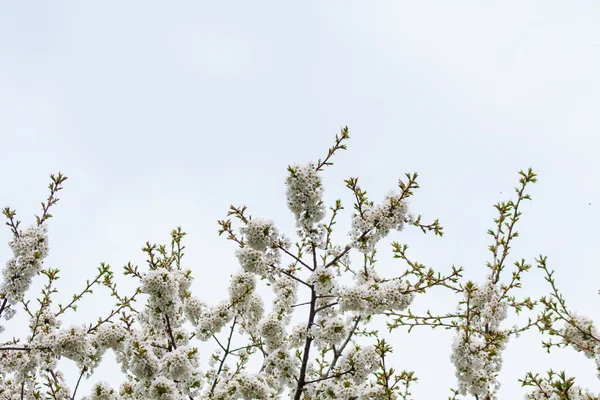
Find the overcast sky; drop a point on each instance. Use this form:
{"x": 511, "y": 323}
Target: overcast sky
{"x": 164, "y": 113}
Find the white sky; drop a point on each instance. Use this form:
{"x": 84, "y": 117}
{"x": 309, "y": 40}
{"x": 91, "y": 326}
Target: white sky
{"x": 162, "y": 114}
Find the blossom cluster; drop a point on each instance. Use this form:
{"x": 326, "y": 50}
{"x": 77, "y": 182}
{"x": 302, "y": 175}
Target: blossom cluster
{"x": 375, "y": 297}
{"x": 546, "y": 391}
{"x": 305, "y": 200}
{"x": 327, "y": 355}
{"x": 581, "y": 333}
{"x": 29, "y": 248}
{"x": 351, "y": 382}
{"x": 376, "y": 222}
{"x": 477, "y": 352}
{"x": 156, "y": 354}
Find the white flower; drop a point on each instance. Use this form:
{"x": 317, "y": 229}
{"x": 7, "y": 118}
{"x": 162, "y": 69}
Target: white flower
{"x": 361, "y": 361}
{"x": 252, "y": 260}
{"x": 330, "y": 331}
{"x": 253, "y": 386}
{"x": 73, "y": 343}
{"x": 213, "y": 320}
{"x": 29, "y": 250}
{"x": 242, "y": 285}
{"x": 376, "y": 222}
{"x": 304, "y": 195}
{"x": 581, "y": 333}
{"x": 286, "y": 294}
{"x": 375, "y": 297}
{"x": 163, "y": 287}
{"x": 272, "y": 330}
{"x": 546, "y": 391}
{"x": 253, "y": 310}
{"x": 109, "y": 336}
{"x": 193, "y": 309}
{"x": 478, "y": 358}
{"x": 141, "y": 359}
{"x": 283, "y": 365}
{"x": 102, "y": 391}
{"x": 260, "y": 234}
{"x": 486, "y": 303}
{"x": 323, "y": 280}
{"x": 181, "y": 363}
{"x": 476, "y": 367}
{"x": 163, "y": 388}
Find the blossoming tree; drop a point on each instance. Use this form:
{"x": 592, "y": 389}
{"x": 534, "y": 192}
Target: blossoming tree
{"x": 332, "y": 353}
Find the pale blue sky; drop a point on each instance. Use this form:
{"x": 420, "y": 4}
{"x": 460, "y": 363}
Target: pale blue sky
{"x": 164, "y": 113}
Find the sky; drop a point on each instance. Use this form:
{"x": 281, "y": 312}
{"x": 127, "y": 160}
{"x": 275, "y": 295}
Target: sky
{"x": 164, "y": 113}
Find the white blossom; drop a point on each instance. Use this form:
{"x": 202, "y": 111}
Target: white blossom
{"x": 194, "y": 307}
{"x": 476, "y": 358}
{"x": 272, "y": 330}
{"x": 252, "y": 260}
{"x": 163, "y": 287}
{"x": 283, "y": 365}
{"x": 545, "y": 391}
{"x": 163, "y": 388}
{"x": 361, "y": 360}
{"x": 73, "y": 343}
{"x": 242, "y": 285}
{"x": 581, "y": 333}
{"x": 109, "y": 336}
{"x": 141, "y": 359}
{"x": 29, "y": 248}
{"x": 101, "y": 391}
{"x": 260, "y": 234}
{"x": 324, "y": 281}
{"x": 213, "y": 320}
{"x": 376, "y": 222}
{"x": 286, "y": 294}
{"x": 181, "y": 363}
{"x": 261, "y": 351}
{"x": 305, "y": 200}
{"x": 329, "y": 331}
{"x": 376, "y": 297}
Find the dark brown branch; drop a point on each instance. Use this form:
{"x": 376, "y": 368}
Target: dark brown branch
{"x": 295, "y": 257}
{"x": 307, "y": 344}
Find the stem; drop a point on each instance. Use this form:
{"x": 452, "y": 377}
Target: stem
{"x": 290, "y": 275}
{"x": 326, "y": 306}
{"x": 295, "y": 257}
{"x": 338, "y": 353}
{"x": 78, "y": 381}
{"x": 348, "y": 247}
{"x": 170, "y": 333}
{"x": 3, "y": 306}
{"x": 311, "y": 318}
{"x": 212, "y": 389}
{"x": 332, "y": 377}
{"x": 23, "y": 348}
{"x": 78, "y": 297}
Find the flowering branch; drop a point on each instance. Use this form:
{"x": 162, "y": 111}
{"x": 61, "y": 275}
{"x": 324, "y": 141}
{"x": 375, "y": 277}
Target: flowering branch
{"x": 332, "y": 353}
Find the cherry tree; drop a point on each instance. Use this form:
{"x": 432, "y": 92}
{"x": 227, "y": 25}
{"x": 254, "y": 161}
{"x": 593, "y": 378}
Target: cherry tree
{"x": 315, "y": 339}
